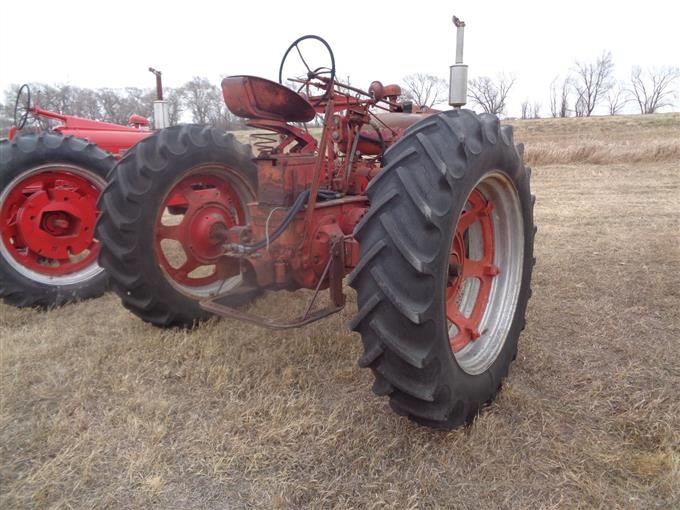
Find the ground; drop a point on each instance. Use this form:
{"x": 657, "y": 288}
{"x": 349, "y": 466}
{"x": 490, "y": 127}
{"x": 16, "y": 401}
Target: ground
{"x": 100, "y": 410}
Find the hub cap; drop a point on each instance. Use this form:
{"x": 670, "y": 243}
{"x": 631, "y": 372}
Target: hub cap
{"x": 47, "y": 220}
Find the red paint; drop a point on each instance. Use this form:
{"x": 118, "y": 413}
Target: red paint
{"x": 302, "y": 259}
{"x": 344, "y": 160}
{"x": 112, "y": 138}
{"x": 48, "y": 218}
{"x": 253, "y": 97}
{"x": 462, "y": 268}
{"x": 48, "y": 221}
{"x": 207, "y": 204}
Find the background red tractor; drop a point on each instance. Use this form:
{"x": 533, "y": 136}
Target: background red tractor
{"x": 429, "y": 214}
{"x": 50, "y": 181}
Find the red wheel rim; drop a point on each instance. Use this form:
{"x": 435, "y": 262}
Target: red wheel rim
{"x": 466, "y": 272}
{"x": 189, "y": 215}
{"x": 47, "y": 221}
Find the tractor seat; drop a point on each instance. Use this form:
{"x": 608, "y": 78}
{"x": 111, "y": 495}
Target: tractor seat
{"x": 258, "y": 98}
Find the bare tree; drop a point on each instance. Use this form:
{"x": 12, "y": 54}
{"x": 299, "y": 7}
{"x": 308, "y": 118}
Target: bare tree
{"x": 7, "y": 110}
{"x": 580, "y": 106}
{"x": 489, "y": 95}
{"x": 224, "y": 119}
{"x": 175, "y": 107}
{"x": 87, "y": 105}
{"x": 118, "y": 105}
{"x": 110, "y": 103}
{"x": 45, "y": 96}
{"x": 525, "y": 108}
{"x": 592, "y": 81}
{"x": 139, "y": 101}
{"x": 62, "y": 98}
{"x": 559, "y": 97}
{"x": 652, "y": 89}
{"x": 6, "y": 121}
{"x": 617, "y": 98}
{"x": 536, "y": 110}
{"x": 202, "y": 99}
{"x": 59, "y": 98}
{"x": 425, "y": 89}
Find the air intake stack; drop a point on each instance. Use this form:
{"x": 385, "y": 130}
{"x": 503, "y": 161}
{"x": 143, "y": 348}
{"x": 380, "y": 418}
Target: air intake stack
{"x": 458, "y": 83}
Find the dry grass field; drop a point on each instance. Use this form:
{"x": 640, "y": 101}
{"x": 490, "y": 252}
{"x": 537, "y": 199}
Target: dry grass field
{"x": 100, "y": 410}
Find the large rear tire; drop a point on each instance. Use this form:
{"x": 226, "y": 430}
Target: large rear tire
{"x": 158, "y": 210}
{"x": 49, "y": 185}
{"x": 445, "y": 267}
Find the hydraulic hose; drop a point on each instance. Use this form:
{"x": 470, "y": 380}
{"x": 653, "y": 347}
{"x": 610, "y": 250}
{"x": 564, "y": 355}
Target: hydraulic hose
{"x": 300, "y": 201}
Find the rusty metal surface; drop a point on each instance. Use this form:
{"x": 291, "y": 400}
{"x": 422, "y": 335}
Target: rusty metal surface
{"x": 401, "y": 120}
{"x": 213, "y": 306}
{"x": 281, "y": 180}
{"x": 332, "y": 275}
{"x": 315, "y": 248}
{"x": 316, "y": 177}
{"x": 253, "y": 97}
{"x": 159, "y": 83}
{"x": 392, "y": 91}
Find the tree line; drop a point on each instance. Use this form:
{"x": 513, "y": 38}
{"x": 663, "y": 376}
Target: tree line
{"x": 198, "y": 101}
{"x": 587, "y": 86}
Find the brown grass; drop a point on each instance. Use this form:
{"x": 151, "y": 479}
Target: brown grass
{"x": 100, "y": 410}
{"x": 601, "y": 141}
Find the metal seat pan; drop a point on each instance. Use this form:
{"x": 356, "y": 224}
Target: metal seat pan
{"x": 257, "y": 98}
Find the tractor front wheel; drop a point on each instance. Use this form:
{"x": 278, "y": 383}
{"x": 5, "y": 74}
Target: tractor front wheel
{"x": 445, "y": 267}
{"x": 49, "y": 185}
{"x": 168, "y": 195}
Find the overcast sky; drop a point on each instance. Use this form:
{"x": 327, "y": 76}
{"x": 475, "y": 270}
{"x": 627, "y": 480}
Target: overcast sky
{"x": 111, "y": 44}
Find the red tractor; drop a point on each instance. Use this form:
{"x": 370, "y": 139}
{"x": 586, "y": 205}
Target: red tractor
{"x": 430, "y": 215}
{"x": 49, "y": 185}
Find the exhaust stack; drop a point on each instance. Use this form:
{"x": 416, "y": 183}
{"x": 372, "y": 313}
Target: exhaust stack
{"x": 458, "y": 83}
{"x": 161, "y": 113}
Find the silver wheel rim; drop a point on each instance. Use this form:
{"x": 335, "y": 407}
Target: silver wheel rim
{"x": 508, "y": 231}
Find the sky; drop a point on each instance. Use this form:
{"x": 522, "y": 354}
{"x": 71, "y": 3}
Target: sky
{"x": 112, "y": 44}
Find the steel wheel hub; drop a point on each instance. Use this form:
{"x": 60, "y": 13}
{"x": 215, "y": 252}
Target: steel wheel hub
{"x": 197, "y": 206}
{"x": 463, "y": 268}
{"x": 47, "y": 224}
{"x": 57, "y": 224}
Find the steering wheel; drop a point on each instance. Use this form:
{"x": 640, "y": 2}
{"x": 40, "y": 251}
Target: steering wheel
{"x": 22, "y": 106}
{"x": 311, "y": 73}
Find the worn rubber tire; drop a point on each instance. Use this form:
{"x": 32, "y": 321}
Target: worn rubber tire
{"x": 130, "y": 205}
{"x": 401, "y": 277}
{"x": 19, "y": 157}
